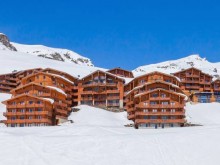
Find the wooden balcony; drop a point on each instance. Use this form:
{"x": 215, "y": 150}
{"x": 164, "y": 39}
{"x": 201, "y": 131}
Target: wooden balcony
{"x": 193, "y": 87}
{"x": 159, "y": 113}
{"x": 28, "y": 121}
{"x": 8, "y": 83}
{"x": 62, "y": 111}
{"x": 5, "y": 87}
{"x": 112, "y": 91}
{"x": 27, "y": 113}
{"x": 192, "y": 75}
{"x": 113, "y": 104}
{"x": 113, "y": 98}
{"x": 159, "y": 106}
{"x": 25, "y": 105}
{"x": 190, "y": 81}
{"x": 142, "y": 121}
{"x": 159, "y": 98}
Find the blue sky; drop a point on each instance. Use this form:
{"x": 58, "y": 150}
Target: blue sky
{"x": 112, "y": 33}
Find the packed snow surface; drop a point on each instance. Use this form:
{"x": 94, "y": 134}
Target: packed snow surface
{"x": 99, "y": 137}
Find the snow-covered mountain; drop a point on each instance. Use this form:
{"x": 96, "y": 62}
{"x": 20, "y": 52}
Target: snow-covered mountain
{"x": 63, "y": 55}
{"x": 183, "y": 63}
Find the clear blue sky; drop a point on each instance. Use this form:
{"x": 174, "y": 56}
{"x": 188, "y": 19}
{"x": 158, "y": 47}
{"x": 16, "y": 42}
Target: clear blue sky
{"x": 125, "y": 33}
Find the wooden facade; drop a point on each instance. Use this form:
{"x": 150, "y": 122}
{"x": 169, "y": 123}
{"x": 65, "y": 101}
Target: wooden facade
{"x": 121, "y": 72}
{"x": 194, "y": 80}
{"x": 27, "y": 110}
{"x": 101, "y": 89}
{"x": 8, "y": 82}
{"x": 155, "y": 100}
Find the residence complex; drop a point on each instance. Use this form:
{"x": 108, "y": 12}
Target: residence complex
{"x": 45, "y": 97}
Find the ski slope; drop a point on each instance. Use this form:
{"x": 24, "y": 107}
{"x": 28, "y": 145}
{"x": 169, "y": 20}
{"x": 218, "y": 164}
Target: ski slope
{"x": 99, "y": 137}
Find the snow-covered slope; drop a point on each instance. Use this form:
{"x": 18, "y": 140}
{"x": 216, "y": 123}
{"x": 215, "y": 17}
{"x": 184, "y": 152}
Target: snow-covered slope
{"x": 12, "y": 60}
{"x": 91, "y": 140}
{"x": 183, "y": 63}
{"x": 98, "y": 117}
{"x": 64, "y": 55}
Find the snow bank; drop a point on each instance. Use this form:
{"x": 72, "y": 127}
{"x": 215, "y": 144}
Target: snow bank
{"x": 203, "y": 113}
{"x": 98, "y": 117}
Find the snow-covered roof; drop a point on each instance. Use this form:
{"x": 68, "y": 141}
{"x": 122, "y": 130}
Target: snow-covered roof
{"x": 57, "y": 89}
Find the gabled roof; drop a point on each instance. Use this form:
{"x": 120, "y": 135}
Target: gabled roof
{"x": 217, "y": 79}
{"x": 194, "y": 69}
{"x": 107, "y": 73}
{"x": 35, "y": 84}
{"x": 155, "y": 82}
{"x": 49, "y": 74}
{"x": 120, "y": 69}
{"x": 47, "y": 69}
{"x": 26, "y": 95}
{"x": 34, "y": 69}
{"x": 161, "y": 89}
{"x": 150, "y": 73}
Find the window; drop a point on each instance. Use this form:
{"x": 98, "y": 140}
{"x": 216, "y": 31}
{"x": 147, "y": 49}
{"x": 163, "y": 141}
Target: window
{"x": 164, "y": 117}
{"x": 13, "y": 110}
{"x": 29, "y": 117}
{"x": 145, "y": 110}
{"x": 39, "y": 117}
{"x": 22, "y": 117}
{"x": 31, "y": 102}
{"x": 163, "y": 110}
{"x": 165, "y": 103}
{"x": 172, "y": 110}
{"x": 145, "y": 103}
{"x": 39, "y": 109}
{"x": 13, "y": 118}
{"x": 44, "y": 77}
{"x": 30, "y": 110}
{"x": 22, "y": 110}
{"x": 22, "y": 102}
{"x": 154, "y": 110}
{"x": 39, "y": 102}
{"x": 163, "y": 95}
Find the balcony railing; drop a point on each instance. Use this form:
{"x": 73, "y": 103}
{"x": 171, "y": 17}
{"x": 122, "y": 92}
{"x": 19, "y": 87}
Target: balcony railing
{"x": 27, "y": 113}
{"x": 139, "y": 121}
{"x": 159, "y": 113}
{"x": 159, "y": 106}
{"x": 25, "y": 105}
{"x": 159, "y": 98}
{"x": 26, "y": 121}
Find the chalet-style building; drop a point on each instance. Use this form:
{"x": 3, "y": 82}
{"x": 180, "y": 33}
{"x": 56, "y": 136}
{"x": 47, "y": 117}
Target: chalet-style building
{"x": 8, "y": 82}
{"x": 12, "y": 80}
{"x": 44, "y": 85}
{"x": 121, "y": 72}
{"x": 101, "y": 89}
{"x": 27, "y": 110}
{"x": 194, "y": 80}
{"x": 155, "y": 100}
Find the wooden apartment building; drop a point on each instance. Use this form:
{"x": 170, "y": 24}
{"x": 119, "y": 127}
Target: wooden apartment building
{"x": 101, "y": 89}
{"x": 155, "y": 100}
{"x": 199, "y": 85}
{"x": 50, "y": 92}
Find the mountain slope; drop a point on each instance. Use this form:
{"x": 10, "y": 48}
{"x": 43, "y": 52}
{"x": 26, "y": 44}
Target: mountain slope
{"x": 63, "y": 55}
{"x": 12, "y": 60}
{"x": 183, "y": 63}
